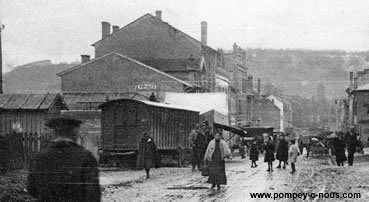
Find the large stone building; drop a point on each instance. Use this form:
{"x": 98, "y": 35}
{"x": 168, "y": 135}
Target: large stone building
{"x": 158, "y": 44}
{"x": 358, "y": 103}
{"x": 241, "y": 87}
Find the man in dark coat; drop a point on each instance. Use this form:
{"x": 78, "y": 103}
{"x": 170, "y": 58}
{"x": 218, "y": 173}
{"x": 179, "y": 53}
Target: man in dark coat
{"x": 339, "y": 150}
{"x": 199, "y": 144}
{"x": 152, "y": 98}
{"x": 351, "y": 140}
{"x": 282, "y": 151}
{"x": 65, "y": 171}
{"x": 147, "y": 157}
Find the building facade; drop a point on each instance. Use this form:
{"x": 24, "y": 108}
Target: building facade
{"x": 156, "y": 43}
{"x": 267, "y": 114}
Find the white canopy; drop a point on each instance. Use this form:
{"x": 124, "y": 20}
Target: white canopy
{"x": 201, "y": 101}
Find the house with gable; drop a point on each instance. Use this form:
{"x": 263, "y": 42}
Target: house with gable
{"x": 158, "y": 44}
{"x": 285, "y": 108}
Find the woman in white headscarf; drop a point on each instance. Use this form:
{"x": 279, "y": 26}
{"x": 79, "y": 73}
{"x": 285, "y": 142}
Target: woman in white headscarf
{"x": 215, "y": 154}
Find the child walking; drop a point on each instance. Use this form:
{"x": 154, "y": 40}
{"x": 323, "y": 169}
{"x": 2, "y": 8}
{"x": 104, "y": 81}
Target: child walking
{"x": 254, "y": 154}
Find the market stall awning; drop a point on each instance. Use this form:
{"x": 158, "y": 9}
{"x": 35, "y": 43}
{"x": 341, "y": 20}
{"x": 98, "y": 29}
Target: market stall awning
{"x": 232, "y": 129}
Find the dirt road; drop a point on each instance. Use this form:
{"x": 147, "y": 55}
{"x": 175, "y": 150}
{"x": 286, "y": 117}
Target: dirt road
{"x": 314, "y": 175}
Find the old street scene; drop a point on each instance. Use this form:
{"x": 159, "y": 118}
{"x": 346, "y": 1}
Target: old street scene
{"x": 184, "y": 101}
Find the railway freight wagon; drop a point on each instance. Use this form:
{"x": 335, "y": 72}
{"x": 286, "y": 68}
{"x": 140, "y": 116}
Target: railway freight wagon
{"x": 124, "y": 121}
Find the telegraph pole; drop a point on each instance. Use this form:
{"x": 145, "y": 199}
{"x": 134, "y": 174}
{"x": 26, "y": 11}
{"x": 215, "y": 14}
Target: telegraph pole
{"x": 1, "y": 63}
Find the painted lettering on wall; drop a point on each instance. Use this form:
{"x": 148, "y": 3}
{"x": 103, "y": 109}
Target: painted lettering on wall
{"x": 146, "y": 86}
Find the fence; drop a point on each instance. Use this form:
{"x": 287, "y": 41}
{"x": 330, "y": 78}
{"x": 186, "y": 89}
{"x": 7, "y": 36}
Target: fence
{"x": 18, "y": 149}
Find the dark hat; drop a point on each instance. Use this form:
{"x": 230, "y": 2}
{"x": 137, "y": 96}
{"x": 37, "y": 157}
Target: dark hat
{"x": 63, "y": 122}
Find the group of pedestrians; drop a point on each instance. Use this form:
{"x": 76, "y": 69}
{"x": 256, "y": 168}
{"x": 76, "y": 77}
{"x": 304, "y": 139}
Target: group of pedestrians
{"x": 342, "y": 142}
{"x": 286, "y": 153}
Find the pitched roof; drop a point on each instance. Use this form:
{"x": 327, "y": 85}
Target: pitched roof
{"x": 194, "y": 41}
{"x": 155, "y": 104}
{"x": 132, "y": 60}
{"x": 29, "y": 101}
{"x": 90, "y": 101}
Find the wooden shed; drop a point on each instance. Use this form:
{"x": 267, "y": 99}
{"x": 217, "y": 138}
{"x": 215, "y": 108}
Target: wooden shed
{"x": 28, "y": 113}
{"x": 125, "y": 120}
{"x": 22, "y": 126}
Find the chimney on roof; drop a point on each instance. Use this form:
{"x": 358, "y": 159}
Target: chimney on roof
{"x": 105, "y": 29}
{"x": 158, "y": 14}
{"x": 204, "y": 32}
{"x": 85, "y": 58}
{"x": 235, "y": 48}
{"x": 351, "y": 79}
{"x": 115, "y": 28}
{"x": 259, "y": 86}
{"x": 356, "y": 82}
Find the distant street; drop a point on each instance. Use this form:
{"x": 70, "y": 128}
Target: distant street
{"x": 180, "y": 184}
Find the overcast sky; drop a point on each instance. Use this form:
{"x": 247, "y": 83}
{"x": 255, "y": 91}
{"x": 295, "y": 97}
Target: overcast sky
{"x": 63, "y": 30}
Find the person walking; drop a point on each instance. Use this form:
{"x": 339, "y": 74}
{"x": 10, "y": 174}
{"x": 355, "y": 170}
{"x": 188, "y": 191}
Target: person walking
{"x": 269, "y": 153}
{"x": 254, "y": 154}
{"x": 216, "y": 152}
{"x": 293, "y": 152}
{"x": 242, "y": 147}
{"x": 198, "y": 143}
{"x": 351, "y": 140}
{"x": 339, "y": 150}
{"x": 65, "y": 171}
{"x": 282, "y": 151}
{"x": 146, "y": 157}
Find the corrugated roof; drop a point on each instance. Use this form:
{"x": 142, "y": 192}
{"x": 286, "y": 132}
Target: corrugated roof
{"x": 33, "y": 101}
{"x": 29, "y": 101}
{"x": 4, "y": 99}
{"x": 48, "y": 101}
{"x": 16, "y": 101}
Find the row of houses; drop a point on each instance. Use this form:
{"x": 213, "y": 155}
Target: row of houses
{"x": 353, "y": 111}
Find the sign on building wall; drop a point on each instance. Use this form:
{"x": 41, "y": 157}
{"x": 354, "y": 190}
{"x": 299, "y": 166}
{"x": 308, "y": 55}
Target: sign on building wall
{"x": 145, "y": 87}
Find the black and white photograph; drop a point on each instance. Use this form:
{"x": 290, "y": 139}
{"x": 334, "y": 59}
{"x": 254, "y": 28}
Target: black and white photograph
{"x": 196, "y": 100}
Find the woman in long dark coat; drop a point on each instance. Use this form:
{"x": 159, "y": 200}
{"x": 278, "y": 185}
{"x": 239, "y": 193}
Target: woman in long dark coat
{"x": 146, "y": 157}
{"x": 282, "y": 152}
{"x": 254, "y": 154}
{"x": 215, "y": 154}
{"x": 339, "y": 148}
{"x": 269, "y": 153}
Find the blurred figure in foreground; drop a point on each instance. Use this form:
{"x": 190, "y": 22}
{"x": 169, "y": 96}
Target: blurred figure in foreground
{"x": 65, "y": 171}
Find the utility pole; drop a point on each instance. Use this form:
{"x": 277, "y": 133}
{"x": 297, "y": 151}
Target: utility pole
{"x": 1, "y": 63}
